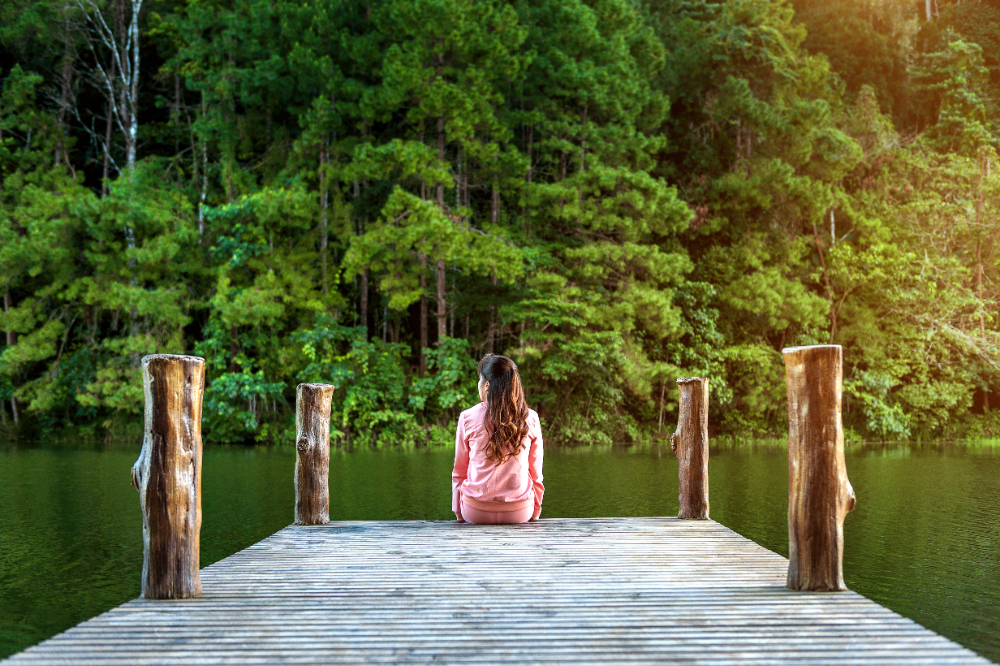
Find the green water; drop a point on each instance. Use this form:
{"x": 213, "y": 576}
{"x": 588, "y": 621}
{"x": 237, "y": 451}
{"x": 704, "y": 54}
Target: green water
{"x": 924, "y": 539}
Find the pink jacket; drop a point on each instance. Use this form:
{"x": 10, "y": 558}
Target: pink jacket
{"x": 516, "y": 480}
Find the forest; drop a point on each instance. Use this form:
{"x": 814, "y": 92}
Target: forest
{"x": 614, "y": 193}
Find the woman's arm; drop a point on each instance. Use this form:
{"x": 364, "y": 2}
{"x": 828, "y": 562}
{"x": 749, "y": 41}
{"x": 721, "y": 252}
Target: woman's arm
{"x": 535, "y": 463}
{"x": 461, "y": 470}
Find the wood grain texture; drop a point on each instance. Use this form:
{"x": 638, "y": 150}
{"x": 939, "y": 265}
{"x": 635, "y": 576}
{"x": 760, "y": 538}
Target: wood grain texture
{"x": 690, "y": 445}
{"x": 556, "y": 591}
{"x": 168, "y": 475}
{"x": 819, "y": 493}
{"x": 312, "y": 453}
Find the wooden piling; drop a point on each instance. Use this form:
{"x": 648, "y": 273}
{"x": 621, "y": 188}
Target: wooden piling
{"x": 168, "y": 475}
{"x": 819, "y": 492}
{"x": 690, "y": 445}
{"x": 312, "y": 454}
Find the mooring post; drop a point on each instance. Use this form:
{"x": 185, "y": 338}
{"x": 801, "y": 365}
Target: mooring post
{"x": 819, "y": 493}
{"x": 168, "y": 475}
{"x": 690, "y": 445}
{"x": 312, "y": 454}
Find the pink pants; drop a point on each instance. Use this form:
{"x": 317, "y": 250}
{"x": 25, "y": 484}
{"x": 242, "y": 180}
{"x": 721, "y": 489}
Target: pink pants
{"x": 479, "y": 516}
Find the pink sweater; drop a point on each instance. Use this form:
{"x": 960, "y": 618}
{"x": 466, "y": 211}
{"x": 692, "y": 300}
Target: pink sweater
{"x": 475, "y": 476}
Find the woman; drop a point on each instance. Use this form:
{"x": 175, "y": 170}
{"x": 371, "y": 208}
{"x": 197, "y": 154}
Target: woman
{"x": 498, "y": 452}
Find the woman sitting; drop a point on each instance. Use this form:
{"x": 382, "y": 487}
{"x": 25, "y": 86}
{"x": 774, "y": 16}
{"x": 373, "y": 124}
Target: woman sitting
{"x": 498, "y": 452}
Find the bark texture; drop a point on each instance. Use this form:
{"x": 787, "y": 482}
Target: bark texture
{"x": 312, "y": 454}
{"x": 168, "y": 476}
{"x": 690, "y": 445}
{"x": 819, "y": 493}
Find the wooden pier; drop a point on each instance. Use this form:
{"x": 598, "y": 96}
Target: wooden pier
{"x": 563, "y": 591}
{"x": 566, "y": 591}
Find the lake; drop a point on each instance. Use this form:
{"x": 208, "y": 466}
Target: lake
{"x": 924, "y": 539}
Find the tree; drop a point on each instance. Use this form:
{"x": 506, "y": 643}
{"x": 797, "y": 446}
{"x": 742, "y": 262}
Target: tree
{"x": 113, "y": 40}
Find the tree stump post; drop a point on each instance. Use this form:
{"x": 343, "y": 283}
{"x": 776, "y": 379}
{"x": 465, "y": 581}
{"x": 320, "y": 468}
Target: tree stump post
{"x": 312, "y": 454}
{"x": 690, "y": 445}
{"x": 168, "y": 476}
{"x": 819, "y": 493}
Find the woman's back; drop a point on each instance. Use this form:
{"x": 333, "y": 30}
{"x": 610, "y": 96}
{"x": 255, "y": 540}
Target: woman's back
{"x": 498, "y": 451}
{"x": 485, "y": 480}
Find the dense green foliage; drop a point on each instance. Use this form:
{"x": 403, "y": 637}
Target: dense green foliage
{"x": 615, "y": 193}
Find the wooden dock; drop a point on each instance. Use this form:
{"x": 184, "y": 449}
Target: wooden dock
{"x": 566, "y": 591}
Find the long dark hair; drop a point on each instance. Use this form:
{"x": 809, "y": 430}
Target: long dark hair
{"x": 506, "y": 418}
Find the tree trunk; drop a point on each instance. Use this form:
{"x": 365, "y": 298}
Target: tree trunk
{"x": 739, "y": 144}
{"x": 11, "y": 341}
{"x": 442, "y": 305}
{"x": 492, "y": 325}
{"x": 819, "y": 493}
{"x": 690, "y": 445}
{"x": 312, "y": 454}
{"x": 495, "y": 201}
{"x": 175, "y": 119}
{"x": 204, "y": 175}
{"x": 107, "y": 130}
{"x": 531, "y": 137}
{"x": 133, "y": 115}
{"x": 458, "y": 181}
{"x": 979, "y": 285}
{"x": 423, "y": 314}
{"x": 659, "y": 425}
{"x": 465, "y": 180}
{"x": 440, "y": 189}
{"x": 234, "y": 349}
{"x": 324, "y": 205}
{"x": 61, "y": 152}
{"x": 451, "y": 320}
{"x": 829, "y": 286}
{"x": 168, "y": 476}
{"x": 979, "y": 295}
{"x": 984, "y": 173}
{"x": 364, "y": 301}
{"x": 583, "y": 161}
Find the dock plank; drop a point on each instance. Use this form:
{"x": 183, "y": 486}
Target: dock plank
{"x": 557, "y": 591}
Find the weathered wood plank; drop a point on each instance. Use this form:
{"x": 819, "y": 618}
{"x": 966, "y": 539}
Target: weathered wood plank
{"x": 559, "y": 591}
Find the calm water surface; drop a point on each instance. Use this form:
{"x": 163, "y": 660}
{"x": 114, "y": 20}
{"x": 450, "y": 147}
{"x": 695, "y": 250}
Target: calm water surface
{"x": 924, "y": 539}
